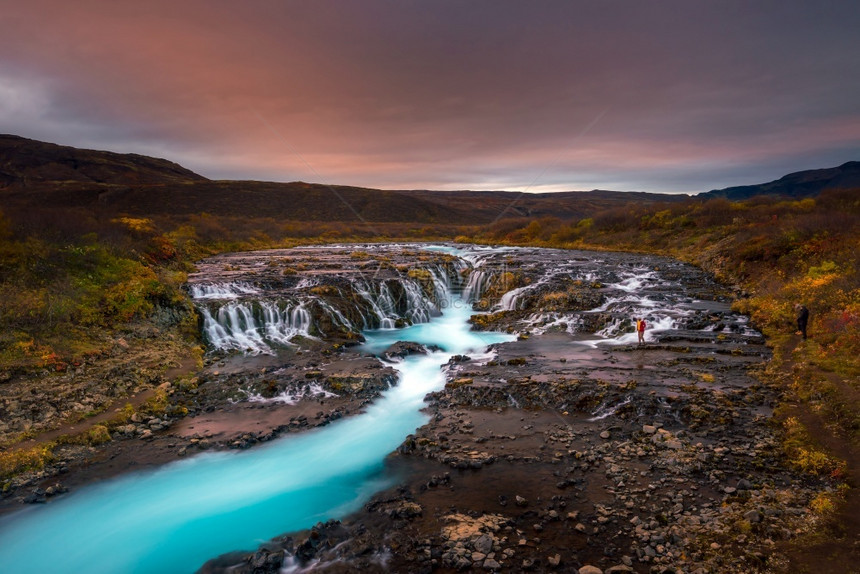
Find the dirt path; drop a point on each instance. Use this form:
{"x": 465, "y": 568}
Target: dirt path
{"x": 85, "y": 425}
{"x": 186, "y": 366}
{"x": 835, "y": 546}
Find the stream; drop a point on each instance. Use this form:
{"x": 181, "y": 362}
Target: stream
{"x": 177, "y": 517}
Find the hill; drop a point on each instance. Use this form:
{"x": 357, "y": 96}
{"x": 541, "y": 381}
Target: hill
{"x": 797, "y": 185}
{"x": 29, "y": 163}
{"x": 44, "y": 174}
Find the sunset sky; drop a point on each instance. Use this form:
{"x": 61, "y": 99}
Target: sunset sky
{"x": 664, "y": 95}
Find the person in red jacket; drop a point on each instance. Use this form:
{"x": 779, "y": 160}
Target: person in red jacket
{"x": 640, "y": 330}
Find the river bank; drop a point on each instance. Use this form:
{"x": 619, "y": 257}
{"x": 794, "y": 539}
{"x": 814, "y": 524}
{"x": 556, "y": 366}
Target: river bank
{"x": 556, "y": 451}
{"x": 555, "y": 470}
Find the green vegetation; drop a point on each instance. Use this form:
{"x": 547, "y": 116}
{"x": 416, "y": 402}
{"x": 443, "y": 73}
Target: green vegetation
{"x": 16, "y": 461}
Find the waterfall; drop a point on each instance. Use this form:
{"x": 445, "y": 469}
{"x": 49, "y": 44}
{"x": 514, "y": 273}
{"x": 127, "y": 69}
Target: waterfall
{"x": 241, "y": 317}
{"x": 251, "y": 326}
{"x": 476, "y": 285}
{"x": 222, "y": 290}
{"x": 172, "y": 519}
{"x": 509, "y": 300}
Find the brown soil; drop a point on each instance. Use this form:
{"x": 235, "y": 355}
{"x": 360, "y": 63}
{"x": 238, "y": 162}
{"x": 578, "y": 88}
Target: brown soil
{"x": 834, "y": 546}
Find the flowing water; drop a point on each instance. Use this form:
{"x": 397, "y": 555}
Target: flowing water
{"x": 176, "y": 518}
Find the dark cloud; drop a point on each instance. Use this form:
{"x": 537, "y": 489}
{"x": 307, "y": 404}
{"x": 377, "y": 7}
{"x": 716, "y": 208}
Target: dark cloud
{"x": 657, "y": 96}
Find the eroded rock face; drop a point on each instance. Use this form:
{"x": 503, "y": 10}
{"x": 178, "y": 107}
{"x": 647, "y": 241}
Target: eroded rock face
{"x": 259, "y": 300}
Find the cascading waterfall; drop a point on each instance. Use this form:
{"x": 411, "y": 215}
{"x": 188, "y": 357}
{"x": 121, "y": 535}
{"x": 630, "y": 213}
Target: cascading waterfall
{"x": 173, "y": 519}
{"x": 236, "y": 318}
{"x": 222, "y": 290}
{"x": 509, "y": 300}
{"x": 476, "y": 285}
{"x": 249, "y": 325}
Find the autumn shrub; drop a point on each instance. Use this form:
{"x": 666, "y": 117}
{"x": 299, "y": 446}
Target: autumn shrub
{"x": 16, "y": 461}
{"x": 97, "y": 435}
{"x": 802, "y": 452}
{"x": 157, "y": 404}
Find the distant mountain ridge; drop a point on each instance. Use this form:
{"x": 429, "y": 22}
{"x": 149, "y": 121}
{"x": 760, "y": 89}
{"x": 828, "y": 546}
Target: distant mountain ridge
{"x": 808, "y": 183}
{"x": 45, "y": 174}
{"x": 25, "y": 162}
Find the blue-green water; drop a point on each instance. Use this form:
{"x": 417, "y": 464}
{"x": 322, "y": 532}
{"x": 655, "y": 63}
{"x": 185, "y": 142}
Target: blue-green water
{"x": 176, "y": 518}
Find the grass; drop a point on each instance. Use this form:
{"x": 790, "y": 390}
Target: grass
{"x": 17, "y": 461}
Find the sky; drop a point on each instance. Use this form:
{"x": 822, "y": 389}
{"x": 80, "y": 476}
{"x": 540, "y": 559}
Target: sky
{"x": 535, "y": 95}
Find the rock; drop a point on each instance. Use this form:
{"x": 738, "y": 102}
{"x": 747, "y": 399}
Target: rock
{"x": 649, "y": 429}
{"x": 618, "y": 569}
{"x": 459, "y": 382}
{"x": 402, "y": 349}
{"x": 589, "y": 569}
{"x": 555, "y": 560}
{"x": 521, "y": 501}
{"x": 753, "y": 516}
{"x": 484, "y": 544}
{"x": 605, "y": 434}
{"x": 744, "y": 484}
{"x": 490, "y": 564}
{"x": 36, "y": 497}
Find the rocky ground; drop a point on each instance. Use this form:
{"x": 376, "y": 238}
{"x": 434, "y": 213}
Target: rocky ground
{"x": 225, "y": 405}
{"x": 556, "y": 455}
{"x": 536, "y": 462}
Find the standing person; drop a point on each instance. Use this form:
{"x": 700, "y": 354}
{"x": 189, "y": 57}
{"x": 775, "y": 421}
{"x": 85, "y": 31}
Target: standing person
{"x": 802, "y": 318}
{"x": 640, "y": 330}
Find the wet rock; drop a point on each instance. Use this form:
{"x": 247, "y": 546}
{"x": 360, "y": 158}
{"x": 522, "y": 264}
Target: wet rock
{"x": 36, "y": 497}
{"x": 403, "y": 349}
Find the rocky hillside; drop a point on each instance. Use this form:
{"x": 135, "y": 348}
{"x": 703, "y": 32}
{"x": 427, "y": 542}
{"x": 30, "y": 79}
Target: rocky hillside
{"x": 800, "y": 184}
{"x": 26, "y": 163}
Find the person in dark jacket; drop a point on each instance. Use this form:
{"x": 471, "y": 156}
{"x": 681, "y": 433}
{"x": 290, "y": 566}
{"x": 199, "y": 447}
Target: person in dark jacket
{"x": 802, "y": 318}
